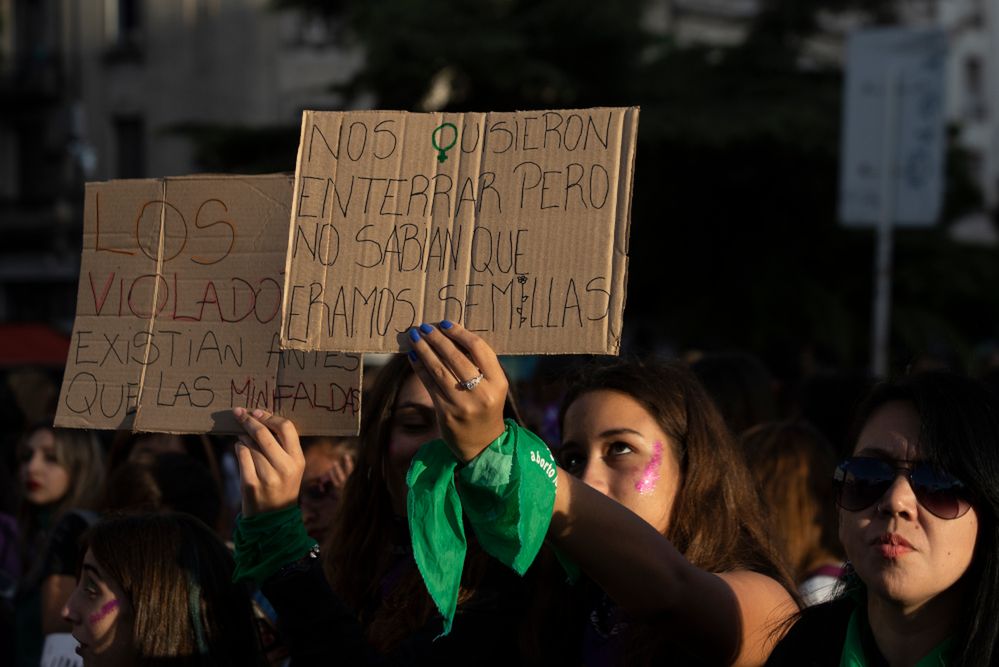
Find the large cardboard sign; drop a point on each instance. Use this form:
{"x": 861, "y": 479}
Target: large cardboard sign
{"x": 178, "y": 313}
{"x": 514, "y": 224}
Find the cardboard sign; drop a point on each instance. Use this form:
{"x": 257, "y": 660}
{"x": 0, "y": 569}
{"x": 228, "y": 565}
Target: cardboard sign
{"x": 514, "y": 224}
{"x": 178, "y": 313}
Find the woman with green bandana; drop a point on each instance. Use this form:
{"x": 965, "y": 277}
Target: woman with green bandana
{"x": 364, "y": 600}
{"x": 653, "y": 502}
{"x": 918, "y": 505}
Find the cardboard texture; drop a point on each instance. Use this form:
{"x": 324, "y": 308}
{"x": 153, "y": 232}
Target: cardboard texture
{"x": 514, "y": 224}
{"x": 178, "y": 313}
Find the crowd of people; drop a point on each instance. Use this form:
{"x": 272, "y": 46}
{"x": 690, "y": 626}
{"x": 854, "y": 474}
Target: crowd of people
{"x": 647, "y": 512}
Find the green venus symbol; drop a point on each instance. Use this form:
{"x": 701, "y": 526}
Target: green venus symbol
{"x": 442, "y": 150}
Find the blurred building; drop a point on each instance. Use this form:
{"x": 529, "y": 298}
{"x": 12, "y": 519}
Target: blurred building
{"x": 972, "y": 27}
{"x": 101, "y": 89}
{"x": 712, "y": 22}
{"x": 38, "y": 264}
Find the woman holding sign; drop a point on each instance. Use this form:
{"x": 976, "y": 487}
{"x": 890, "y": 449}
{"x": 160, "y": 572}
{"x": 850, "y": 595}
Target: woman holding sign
{"x": 652, "y": 501}
{"x": 369, "y": 603}
{"x": 692, "y": 486}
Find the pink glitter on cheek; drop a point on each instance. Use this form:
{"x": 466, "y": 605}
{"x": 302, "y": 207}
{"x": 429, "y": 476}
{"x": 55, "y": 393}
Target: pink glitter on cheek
{"x": 647, "y": 484}
{"x": 103, "y": 612}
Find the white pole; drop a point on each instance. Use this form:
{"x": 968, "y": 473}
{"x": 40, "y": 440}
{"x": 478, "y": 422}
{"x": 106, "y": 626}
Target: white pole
{"x": 881, "y": 316}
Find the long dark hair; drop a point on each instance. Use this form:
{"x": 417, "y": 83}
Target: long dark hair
{"x": 959, "y": 432}
{"x": 360, "y": 548}
{"x": 80, "y": 453}
{"x": 367, "y": 536}
{"x": 177, "y": 576}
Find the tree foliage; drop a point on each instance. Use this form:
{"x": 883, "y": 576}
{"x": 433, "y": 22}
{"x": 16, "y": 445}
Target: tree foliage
{"x": 734, "y": 235}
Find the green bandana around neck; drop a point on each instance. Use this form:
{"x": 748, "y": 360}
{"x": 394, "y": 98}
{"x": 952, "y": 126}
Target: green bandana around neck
{"x": 507, "y": 493}
{"x": 853, "y": 649}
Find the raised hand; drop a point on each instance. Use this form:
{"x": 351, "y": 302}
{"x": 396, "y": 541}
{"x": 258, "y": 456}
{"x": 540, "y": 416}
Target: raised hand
{"x": 465, "y": 382}
{"x": 271, "y": 463}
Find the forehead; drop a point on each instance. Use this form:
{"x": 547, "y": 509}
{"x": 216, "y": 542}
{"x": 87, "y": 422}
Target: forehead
{"x": 892, "y": 430}
{"x": 605, "y": 410}
{"x": 321, "y": 456}
{"x": 322, "y": 453}
{"x": 41, "y": 439}
{"x": 90, "y": 562}
{"x": 91, "y": 565}
{"x": 413, "y": 391}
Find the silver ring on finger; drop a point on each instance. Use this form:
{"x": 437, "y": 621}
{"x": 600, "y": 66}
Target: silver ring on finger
{"x": 470, "y": 384}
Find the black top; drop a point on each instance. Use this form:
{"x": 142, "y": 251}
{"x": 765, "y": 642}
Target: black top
{"x": 817, "y": 638}
{"x": 319, "y": 628}
{"x": 315, "y": 625}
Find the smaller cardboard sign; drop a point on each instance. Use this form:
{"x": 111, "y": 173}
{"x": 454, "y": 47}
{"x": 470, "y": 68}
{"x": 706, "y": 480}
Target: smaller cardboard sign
{"x": 178, "y": 313}
{"x": 514, "y": 224}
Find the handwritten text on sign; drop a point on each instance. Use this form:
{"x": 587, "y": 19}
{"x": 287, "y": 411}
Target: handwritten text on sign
{"x": 515, "y": 224}
{"x": 178, "y": 313}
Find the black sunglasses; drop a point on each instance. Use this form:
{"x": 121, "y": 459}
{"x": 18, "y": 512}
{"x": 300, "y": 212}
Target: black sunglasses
{"x": 861, "y": 481}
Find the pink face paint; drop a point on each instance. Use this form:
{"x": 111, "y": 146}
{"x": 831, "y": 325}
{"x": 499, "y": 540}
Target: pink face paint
{"x": 103, "y": 612}
{"x": 647, "y": 484}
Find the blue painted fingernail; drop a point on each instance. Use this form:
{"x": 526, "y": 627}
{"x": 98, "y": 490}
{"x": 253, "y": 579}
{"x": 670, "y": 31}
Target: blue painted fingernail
{"x": 446, "y": 324}
{"x": 414, "y": 335}
{"x": 412, "y": 356}
{"x": 426, "y": 328}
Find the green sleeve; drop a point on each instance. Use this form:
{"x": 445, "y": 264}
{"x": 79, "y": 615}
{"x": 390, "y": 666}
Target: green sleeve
{"x": 508, "y": 493}
{"x": 266, "y": 542}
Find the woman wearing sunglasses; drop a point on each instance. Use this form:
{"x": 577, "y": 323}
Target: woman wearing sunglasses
{"x": 918, "y": 505}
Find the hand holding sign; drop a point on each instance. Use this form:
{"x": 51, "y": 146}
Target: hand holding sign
{"x": 465, "y": 381}
{"x": 271, "y": 463}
